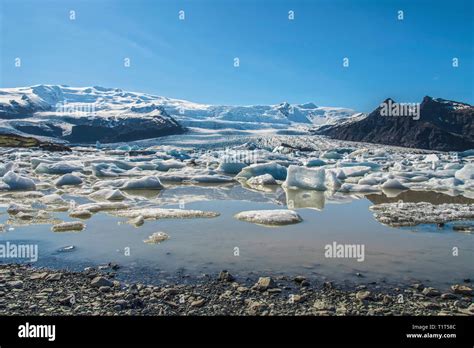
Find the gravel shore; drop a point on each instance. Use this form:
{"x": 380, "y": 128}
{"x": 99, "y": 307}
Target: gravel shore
{"x": 28, "y": 291}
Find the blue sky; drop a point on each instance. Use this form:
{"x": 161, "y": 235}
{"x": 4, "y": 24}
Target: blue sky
{"x": 280, "y": 60}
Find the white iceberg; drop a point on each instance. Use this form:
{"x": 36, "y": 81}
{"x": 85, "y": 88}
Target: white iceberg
{"x": 96, "y": 207}
{"x": 231, "y": 167}
{"x": 108, "y": 194}
{"x": 466, "y": 173}
{"x": 306, "y": 178}
{"x": 393, "y": 184}
{"x": 347, "y": 187}
{"x": 162, "y": 213}
{"x": 156, "y": 238}
{"x": 68, "y": 180}
{"x": 145, "y": 183}
{"x": 59, "y": 168}
{"x": 270, "y": 217}
{"x": 274, "y": 169}
{"x": 18, "y": 182}
{"x": 265, "y": 179}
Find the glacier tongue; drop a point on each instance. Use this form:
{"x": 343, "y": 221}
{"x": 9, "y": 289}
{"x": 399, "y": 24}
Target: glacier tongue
{"x": 111, "y": 115}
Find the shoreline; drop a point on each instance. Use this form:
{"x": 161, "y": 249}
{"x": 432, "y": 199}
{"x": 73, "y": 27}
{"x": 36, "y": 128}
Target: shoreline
{"x": 25, "y": 290}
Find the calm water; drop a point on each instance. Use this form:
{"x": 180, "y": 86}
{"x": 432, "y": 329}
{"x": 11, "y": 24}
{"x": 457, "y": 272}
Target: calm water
{"x": 198, "y": 246}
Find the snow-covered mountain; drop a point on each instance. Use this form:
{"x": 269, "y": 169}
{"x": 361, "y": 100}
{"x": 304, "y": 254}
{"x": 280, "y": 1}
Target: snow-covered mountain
{"x": 87, "y": 114}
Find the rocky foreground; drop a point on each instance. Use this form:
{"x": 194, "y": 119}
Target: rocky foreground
{"x": 28, "y": 291}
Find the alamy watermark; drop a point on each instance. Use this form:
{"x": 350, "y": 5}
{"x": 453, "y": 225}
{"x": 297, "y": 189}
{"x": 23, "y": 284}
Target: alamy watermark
{"x": 19, "y": 251}
{"x": 345, "y": 251}
{"x": 392, "y": 109}
{"x": 75, "y": 109}
{"x": 239, "y": 156}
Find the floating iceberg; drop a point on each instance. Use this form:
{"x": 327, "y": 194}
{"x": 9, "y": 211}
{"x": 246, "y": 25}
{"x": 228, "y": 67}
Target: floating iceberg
{"x": 145, "y": 183}
{"x": 108, "y": 194}
{"x": 265, "y": 179}
{"x": 162, "y": 213}
{"x": 466, "y": 173}
{"x": 68, "y": 226}
{"x": 315, "y": 162}
{"x": 306, "y": 178}
{"x": 166, "y": 165}
{"x": 412, "y": 214}
{"x": 231, "y": 167}
{"x": 96, "y": 207}
{"x": 5, "y": 168}
{"x": 270, "y": 217}
{"x": 274, "y": 169}
{"x": 68, "y": 180}
{"x": 156, "y": 238}
{"x": 18, "y": 182}
{"x": 347, "y": 187}
{"x": 393, "y": 184}
{"x": 59, "y": 168}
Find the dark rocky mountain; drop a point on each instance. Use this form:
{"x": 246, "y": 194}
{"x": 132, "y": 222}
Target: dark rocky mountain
{"x": 442, "y": 125}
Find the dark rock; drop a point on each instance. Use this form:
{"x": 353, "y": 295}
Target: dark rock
{"x": 101, "y": 281}
{"x": 441, "y": 126}
{"x": 264, "y": 283}
{"x": 225, "y": 276}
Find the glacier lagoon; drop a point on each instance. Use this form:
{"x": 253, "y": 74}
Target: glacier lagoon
{"x": 121, "y": 195}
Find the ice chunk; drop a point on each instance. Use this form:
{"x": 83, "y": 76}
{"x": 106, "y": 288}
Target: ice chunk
{"x": 68, "y": 226}
{"x": 145, "y": 183}
{"x": 352, "y": 171}
{"x": 80, "y": 214}
{"x": 59, "y": 168}
{"x": 18, "y": 182}
{"x": 68, "y": 180}
{"x": 178, "y": 154}
{"x": 108, "y": 194}
{"x": 467, "y": 153}
{"x": 332, "y": 155}
{"x": 453, "y": 166}
{"x": 106, "y": 170}
{"x": 315, "y": 162}
{"x": 168, "y": 164}
{"x": 270, "y": 217}
{"x": 138, "y": 221}
{"x": 156, "y": 238}
{"x": 466, "y": 173}
{"x": 162, "y": 213}
{"x": 372, "y": 165}
{"x": 346, "y": 187}
{"x": 274, "y": 169}
{"x": 265, "y": 179}
{"x": 306, "y": 178}
{"x": 370, "y": 180}
{"x": 332, "y": 182}
{"x": 231, "y": 167}
{"x": 5, "y": 168}
{"x": 96, "y": 207}
{"x": 15, "y": 208}
{"x": 393, "y": 184}
{"x": 53, "y": 198}
{"x": 196, "y": 178}
{"x": 443, "y": 184}
{"x": 412, "y": 214}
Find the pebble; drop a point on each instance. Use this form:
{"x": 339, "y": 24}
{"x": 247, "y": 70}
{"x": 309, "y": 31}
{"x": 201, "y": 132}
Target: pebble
{"x": 461, "y": 289}
{"x": 364, "y": 295}
{"x": 225, "y": 276}
{"x": 101, "y": 281}
{"x": 430, "y": 292}
{"x": 264, "y": 283}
